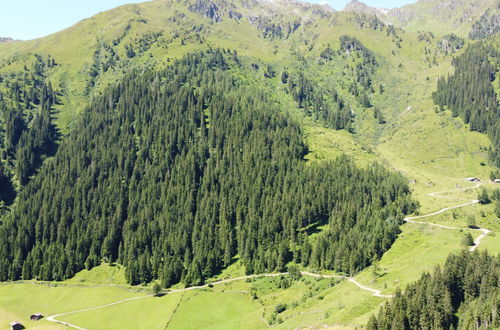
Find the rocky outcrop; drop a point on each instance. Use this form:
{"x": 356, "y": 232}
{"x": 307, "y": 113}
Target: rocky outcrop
{"x": 487, "y": 25}
{"x": 361, "y": 8}
{"x": 4, "y": 39}
{"x": 216, "y": 10}
{"x": 208, "y": 9}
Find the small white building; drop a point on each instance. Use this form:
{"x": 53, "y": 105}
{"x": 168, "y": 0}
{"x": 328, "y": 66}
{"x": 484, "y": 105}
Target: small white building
{"x": 473, "y": 179}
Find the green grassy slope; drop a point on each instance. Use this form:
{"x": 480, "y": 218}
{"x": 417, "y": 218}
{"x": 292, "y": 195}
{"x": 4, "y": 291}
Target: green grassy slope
{"x": 440, "y": 17}
{"x": 19, "y": 300}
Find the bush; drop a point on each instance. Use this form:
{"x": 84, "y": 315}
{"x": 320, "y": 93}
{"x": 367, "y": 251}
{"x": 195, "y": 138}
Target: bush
{"x": 467, "y": 240}
{"x": 483, "y": 197}
{"x": 294, "y": 272}
{"x": 471, "y": 221}
{"x": 156, "y": 289}
{"x": 280, "y": 308}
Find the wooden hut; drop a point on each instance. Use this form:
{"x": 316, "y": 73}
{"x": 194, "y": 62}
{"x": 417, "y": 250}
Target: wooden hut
{"x": 16, "y": 326}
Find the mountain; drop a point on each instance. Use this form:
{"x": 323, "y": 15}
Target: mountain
{"x": 441, "y": 16}
{"x": 171, "y": 144}
{"x": 462, "y": 17}
{"x": 31, "y": 138}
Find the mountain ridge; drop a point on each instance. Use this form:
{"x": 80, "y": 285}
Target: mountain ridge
{"x": 361, "y": 7}
{"x": 7, "y": 39}
{"x": 442, "y": 17}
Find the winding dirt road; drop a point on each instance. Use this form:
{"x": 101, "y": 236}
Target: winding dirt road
{"x": 375, "y": 292}
{"x": 483, "y": 231}
{"x": 53, "y": 318}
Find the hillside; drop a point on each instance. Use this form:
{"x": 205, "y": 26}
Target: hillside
{"x": 210, "y": 141}
{"x": 463, "y": 17}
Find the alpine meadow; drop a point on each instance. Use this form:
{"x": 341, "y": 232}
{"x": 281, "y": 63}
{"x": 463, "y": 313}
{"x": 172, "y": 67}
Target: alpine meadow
{"x": 252, "y": 164}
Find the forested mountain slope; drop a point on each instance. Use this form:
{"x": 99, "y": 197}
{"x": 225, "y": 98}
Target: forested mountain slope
{"x": 470, "y": 92}
{"x": 467, "y": 283}
{"x": 168, "y": 171}
{"x": 347, "y": 59}
{"x": 57, "y": 77}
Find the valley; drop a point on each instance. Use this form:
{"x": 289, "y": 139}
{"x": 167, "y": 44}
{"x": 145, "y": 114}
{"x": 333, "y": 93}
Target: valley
{"x": 269, "y": 164}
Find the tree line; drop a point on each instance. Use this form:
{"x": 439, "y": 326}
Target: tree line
{"x": 463, "y": 294}
{"x": 469, "y": 93}
{"x": 325, "y": 106}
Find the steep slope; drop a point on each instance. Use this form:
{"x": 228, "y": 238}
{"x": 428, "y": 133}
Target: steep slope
{"x": 470, "y": 93}
{"x": 467, "y": 283}
{"x": 169, "y": 171}
{"x": 463, "y": 17}
{"x": 441, "y": 16}
{"x": 488, "y": 24}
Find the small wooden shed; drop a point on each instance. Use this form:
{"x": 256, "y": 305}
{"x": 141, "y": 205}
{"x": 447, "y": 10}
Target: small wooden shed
{"x": 16, "y": 326}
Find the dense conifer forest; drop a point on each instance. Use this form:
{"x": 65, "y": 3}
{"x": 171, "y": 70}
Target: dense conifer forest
{"x": 470, "y": 94}
{"x": 467, "y": 284}
{"x": 27, "y": 133}
{"x": 175, "y": 173}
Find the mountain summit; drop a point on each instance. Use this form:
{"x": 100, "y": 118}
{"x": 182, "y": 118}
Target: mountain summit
{"x": 360, "y": 7}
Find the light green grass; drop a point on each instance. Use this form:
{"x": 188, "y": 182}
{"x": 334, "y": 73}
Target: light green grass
{"x": 20, "y": 300}
{"x": 491, "y": 243}
{"x": 327, "y": 144}
{"x": 102, "y": 274}
{"x": 147, "y": 313}
{"x": 344, "y": 304}
{"x": 205, "y": 310}
{"x": 418, "y": 248}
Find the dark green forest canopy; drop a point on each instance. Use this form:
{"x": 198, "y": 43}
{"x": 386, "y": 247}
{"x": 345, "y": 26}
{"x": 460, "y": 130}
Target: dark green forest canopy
{"x": 27, "y": 134}
{"x": 175, "y": 173}
{"x": 469, "y": 93}
{"x": 468, "y": 284}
